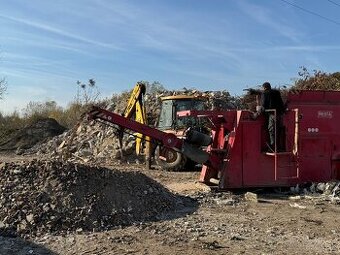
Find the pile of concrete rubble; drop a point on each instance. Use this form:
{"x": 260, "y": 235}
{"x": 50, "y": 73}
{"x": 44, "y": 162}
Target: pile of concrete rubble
{"x": 96, "y": 142}
{"x": 329, "y": 191}
{"x": 88, "y": 142}
{"x": 41, "y": 197}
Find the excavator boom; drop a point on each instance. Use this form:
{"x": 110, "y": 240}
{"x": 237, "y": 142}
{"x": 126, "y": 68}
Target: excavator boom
{"x": 166, "y": 139}
{"x": 136, "y": 101}
{"x": 136, "y": 108}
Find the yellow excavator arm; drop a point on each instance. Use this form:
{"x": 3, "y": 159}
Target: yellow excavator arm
{"x": 136, "y": 99}
{"x": 136, "y": 107}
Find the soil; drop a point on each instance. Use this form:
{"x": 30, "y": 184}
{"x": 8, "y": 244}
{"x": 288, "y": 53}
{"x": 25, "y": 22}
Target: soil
{"x": 215, "y": 223}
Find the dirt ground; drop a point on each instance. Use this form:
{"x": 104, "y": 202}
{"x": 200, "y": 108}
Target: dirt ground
{"x": 211, "y": 223}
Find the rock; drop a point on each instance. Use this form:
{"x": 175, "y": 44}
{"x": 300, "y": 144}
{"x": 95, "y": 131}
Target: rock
{"x": 61, "y": 145}
{"x": 22, "y": 226}
{"x": 16, "y": 171}
{"x": 79, "y": 230}
{"x": 30, "y": 218}
{"x": 229, "y": 201}
{"x": 321, "y": 187}
{"x": 295, "y": 198}
{"x": 236, "y": 238}
{"x": 329, "y": 187}
{"x": 296, "y": 205}
{"x": 250, "y": 196}
{"x": 295, "y": 190}
{"x": 336, "y": 190}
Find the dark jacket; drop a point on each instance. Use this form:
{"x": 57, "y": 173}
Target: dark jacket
{"x": 271, "y": 99}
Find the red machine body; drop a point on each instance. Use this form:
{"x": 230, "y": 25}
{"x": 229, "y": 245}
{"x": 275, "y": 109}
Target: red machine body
{"x": 237, "y": 157}
{"x": 311, "y": 139}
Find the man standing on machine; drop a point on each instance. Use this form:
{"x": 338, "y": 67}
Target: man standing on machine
{"x": 271, "y": 100}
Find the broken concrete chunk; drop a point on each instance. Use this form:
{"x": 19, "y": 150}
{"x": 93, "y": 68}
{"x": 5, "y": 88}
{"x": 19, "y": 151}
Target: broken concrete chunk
{"x": 30, "y": 218}
{"x": 250, "y": 196}
{"x": 296, "y": 205}
{"x": 295, "y": 198}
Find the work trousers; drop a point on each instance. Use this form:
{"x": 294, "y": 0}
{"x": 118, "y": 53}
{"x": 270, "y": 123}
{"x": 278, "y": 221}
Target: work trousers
{"x": 271, "y": 129}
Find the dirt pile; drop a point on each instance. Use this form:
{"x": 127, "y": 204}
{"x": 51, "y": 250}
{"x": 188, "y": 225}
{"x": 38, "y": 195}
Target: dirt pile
{"x": 42, "y": 197}
{"x": 38, "y": 132}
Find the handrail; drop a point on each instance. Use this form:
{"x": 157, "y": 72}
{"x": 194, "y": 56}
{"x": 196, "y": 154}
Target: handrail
{"x": 295, "y": 145}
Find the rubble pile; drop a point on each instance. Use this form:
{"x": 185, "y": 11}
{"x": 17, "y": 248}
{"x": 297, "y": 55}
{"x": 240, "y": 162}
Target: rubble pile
{"x": 329, "y": 191}
{"x": 96, "y": 142}
{"x": 88, "y": 141}
{"x": 38, "y": 132}
{"x": 42, "y": 197}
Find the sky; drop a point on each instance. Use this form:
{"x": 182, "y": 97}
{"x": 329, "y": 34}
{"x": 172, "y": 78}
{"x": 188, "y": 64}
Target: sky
{"x": 47, "y": 46}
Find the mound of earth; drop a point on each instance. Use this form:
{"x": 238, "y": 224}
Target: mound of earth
{"x": 42, "y": 197}
{"x": 25, "y": 138}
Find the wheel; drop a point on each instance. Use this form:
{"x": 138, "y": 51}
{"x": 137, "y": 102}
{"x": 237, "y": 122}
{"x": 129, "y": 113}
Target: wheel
{"x": 170, "y": 160}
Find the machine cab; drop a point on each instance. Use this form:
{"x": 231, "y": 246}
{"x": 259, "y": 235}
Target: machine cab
{"x": 168, "y": 120}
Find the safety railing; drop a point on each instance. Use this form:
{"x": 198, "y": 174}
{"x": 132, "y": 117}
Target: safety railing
{"x": 295, "y": 145}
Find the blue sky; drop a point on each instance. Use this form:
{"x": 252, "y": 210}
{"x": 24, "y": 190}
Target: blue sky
{"x": 46, "y": 46}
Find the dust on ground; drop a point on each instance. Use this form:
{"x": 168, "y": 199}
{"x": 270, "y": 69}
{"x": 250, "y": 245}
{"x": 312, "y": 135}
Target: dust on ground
{"x": 219, "y": 223}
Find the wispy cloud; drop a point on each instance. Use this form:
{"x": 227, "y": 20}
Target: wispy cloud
{"x": 58, "y": 31}
{"x": 39, "y": 74}
{"x": 41, "y": 42}
{"x": 119, "y": 11}
{"x": 14, "y": 58}
{"x": 287, "y": 48}
{"x": 311, "y": 48}
{"x": 168, "y": 34}
{"x": 267, "y": 18}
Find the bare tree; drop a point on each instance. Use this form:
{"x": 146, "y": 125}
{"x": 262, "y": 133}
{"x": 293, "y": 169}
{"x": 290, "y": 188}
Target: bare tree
{"x": 87, "y": 93}
{"x": 318, "y": 80}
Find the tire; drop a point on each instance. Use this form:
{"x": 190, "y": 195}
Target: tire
{"x": 174, "y": 161}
